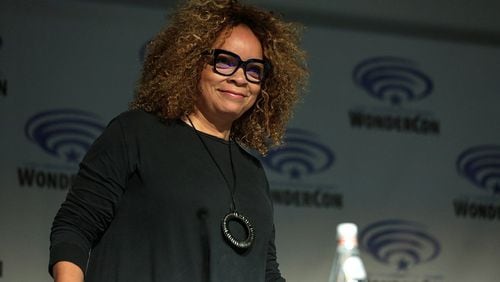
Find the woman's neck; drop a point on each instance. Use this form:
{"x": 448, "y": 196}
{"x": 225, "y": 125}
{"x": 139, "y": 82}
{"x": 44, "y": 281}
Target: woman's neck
{"x": 217, "y": 128}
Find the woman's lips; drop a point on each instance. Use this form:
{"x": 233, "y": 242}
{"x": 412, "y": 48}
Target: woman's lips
{"x": 233, "y": 93}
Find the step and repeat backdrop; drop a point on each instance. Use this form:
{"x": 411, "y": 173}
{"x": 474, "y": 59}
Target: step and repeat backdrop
{"x": 400, "y": 135}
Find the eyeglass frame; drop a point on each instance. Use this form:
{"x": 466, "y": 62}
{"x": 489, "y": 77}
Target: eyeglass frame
{"x": 215, "y": 52}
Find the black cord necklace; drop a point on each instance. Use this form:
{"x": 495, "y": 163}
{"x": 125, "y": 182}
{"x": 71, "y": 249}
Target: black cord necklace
{"x": 233, "y": 213}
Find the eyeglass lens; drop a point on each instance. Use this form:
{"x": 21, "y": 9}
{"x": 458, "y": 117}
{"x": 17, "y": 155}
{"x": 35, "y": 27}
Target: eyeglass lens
{"x": 227, "y": 64}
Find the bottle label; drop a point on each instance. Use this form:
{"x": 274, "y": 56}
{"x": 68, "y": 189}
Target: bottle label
{"x": 354, "y": 269}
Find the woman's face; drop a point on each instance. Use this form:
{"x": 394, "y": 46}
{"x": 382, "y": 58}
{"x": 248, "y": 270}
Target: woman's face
{"x": 228, "y": 97}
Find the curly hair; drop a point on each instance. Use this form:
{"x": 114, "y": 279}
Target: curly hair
{"x": 175, "y": 59}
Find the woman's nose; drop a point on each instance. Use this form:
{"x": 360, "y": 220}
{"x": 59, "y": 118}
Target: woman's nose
{"x": 239, "y": 76}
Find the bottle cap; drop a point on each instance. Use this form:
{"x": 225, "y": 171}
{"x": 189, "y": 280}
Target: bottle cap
{"x": 347, "y": 233}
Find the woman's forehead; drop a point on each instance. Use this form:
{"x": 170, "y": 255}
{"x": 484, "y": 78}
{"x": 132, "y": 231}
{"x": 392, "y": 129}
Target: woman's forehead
{"x": 241, "y": 40}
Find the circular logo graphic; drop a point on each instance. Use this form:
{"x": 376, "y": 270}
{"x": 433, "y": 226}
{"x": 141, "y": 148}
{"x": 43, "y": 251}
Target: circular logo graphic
{"x": 392, "y": 79}
{"x": 399, "y": 243}
{"x": 64, "y": 133}
{"x": 481, "y": 166}
{"x": 301, "y": 155}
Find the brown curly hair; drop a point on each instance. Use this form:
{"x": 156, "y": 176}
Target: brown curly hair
{"x": 175, "y": 59}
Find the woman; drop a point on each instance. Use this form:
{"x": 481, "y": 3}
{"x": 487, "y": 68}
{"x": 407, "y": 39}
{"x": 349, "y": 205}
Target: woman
{"x": 167, "y": 192}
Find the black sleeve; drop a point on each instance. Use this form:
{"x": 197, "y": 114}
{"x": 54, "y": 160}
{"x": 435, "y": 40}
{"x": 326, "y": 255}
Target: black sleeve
{"x": 272, "y": 271}
{"x": 91, "y": 202}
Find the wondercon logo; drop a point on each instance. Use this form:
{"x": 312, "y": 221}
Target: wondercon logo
{"x": 64, "y": 133}
{"x": 392, "y": 79}
{"x": 481, "y": 166}
{"x": 399, "y": 243}
{"x": 301, "y": 155}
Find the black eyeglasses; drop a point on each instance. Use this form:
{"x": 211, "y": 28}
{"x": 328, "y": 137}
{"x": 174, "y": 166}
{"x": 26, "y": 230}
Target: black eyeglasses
{"x": 227, "y": 63}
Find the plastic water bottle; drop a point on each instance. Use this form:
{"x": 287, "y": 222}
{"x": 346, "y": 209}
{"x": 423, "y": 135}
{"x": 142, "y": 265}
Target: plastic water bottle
{"x": 347, "y": 264}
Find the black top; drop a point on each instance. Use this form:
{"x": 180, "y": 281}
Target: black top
{"x": 148, "y": 202}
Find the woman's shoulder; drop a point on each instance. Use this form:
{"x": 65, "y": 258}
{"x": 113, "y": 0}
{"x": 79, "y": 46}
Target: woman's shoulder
{"x": 137, "y": 117}
{"x": 142, "y": 123}
{"x": 140, "y": 120}
{"x": 136, "y": 123}
{"x": 250, "y": 155}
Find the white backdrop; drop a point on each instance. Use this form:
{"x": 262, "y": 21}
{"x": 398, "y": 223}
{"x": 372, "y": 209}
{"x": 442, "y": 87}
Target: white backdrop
{"x": 400, "y": 135}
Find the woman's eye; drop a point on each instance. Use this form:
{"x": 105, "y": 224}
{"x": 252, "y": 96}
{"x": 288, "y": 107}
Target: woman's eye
{"x": 224, "y": 61}
{"x": 254, "y": 71}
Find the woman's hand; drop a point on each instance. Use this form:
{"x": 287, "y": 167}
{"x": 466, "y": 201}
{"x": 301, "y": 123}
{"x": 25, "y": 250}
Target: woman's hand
{"x": 65, "y": 271}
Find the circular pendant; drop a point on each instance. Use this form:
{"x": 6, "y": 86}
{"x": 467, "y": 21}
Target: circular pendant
{"x": 243, "y": 244}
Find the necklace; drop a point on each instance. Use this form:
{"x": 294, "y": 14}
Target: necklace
{"x": 233, "y": 214}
